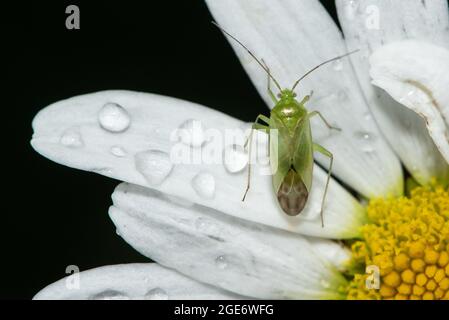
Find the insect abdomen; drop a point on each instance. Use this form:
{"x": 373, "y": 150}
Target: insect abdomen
{"x": 292, "y": 195}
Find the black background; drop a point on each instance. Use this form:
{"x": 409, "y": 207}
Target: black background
{"x": 54, "y": 216}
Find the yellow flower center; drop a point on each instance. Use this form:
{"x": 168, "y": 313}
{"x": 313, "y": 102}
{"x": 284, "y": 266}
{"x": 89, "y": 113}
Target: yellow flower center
{"x": 407, "y": 242}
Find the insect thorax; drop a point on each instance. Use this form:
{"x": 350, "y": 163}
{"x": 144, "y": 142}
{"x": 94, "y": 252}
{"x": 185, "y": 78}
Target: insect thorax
{"x": 289, "y": 110}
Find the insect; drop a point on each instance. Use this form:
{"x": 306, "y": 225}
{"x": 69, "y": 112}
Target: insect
{"x": 292, "y": 180}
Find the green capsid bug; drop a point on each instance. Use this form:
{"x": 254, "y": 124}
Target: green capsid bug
{"x": 293, "y": 179}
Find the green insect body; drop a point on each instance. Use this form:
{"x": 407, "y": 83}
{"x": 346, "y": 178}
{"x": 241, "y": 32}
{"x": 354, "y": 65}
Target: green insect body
{"x": 292, "y": 179}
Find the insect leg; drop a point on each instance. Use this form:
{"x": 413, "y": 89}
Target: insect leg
{"x": 272, "y": 96}
{"x": 311, "y": 94}
{"x": 327, "y": 153}
{"x": 255, "y": 126}
{"x": 258, "y": 126}
{"x": 306, "y": 98}
{"x": 313, "y": 113}
{"x": 263, "y": 118}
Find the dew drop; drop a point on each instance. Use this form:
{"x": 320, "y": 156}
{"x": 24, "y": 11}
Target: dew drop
{"x": 337, "y": 65}
{"x": 110, "y": 295}
{"x": 362, "y": 135}
{"x": 154, "y": 165}
{"x": 365, "y": 139}
{"x": 113, "y": 117}
{"x": 156, "y": 294}
{"x": 221, "y": 262}
{"x": 191, "y": 133}
{"x": 117, "y": 232}
{"x": 235, "y": 158}
{"x": 72, "y": 138}
{"x": 204, "y": 185}
{"x": 118, "y": 151}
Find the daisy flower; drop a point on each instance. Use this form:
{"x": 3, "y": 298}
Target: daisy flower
{"x": 386, "y": 232}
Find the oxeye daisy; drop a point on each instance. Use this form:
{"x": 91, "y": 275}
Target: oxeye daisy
{"x": 386, "y": 216}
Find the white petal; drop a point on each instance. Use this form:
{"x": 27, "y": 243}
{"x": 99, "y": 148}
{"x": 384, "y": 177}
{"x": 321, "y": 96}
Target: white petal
{"x": 292, "y": 36}
{"x": 336, "y": 253}
{"x": 422, "y": 88}
{"x": 144, "y": 159}
{"x": 138, "y": 281}
{"x": 230, "y": 253}
{"x": 368, "y": 25}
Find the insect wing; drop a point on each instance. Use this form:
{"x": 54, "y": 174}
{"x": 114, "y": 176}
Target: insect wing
{"x": 280, "y": 151}
{"x": 296, "y": 153}
{"x": 303, "y": 152}
{"x": 292, "y": 195}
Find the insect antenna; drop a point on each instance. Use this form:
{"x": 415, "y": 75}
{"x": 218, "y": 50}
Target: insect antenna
{"x": 250, "y": 53}
{"x": 322, "y": 64}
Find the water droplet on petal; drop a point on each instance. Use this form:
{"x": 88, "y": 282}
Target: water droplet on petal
{"x": 110, "y": 295}
{"x": 235, "y": 158}
{"x": 117, "y": 232}
{"x": 204, "y": 185}
{"x": 337, "y": 65}
{"x": 113, "y": 117}
{"x": 72, "y": 138}
{"x": 154, "y": 165}
{"x": 366, "y": 140}
{"x": 118, "y": 151}
{"x": 221, "y": 262}
{"x": 156, "y": 294}
{"x": 191, "y": 133}
{"x": 353, "y": 3}
{"x": 362, "y": 135}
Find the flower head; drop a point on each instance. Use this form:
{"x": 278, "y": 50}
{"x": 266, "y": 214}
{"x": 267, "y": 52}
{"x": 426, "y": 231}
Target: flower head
{"x": 408, "y": 238}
